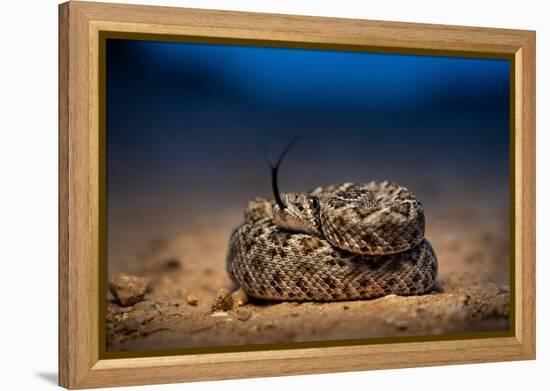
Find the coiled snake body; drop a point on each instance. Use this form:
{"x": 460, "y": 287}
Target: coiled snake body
{"x": 341, "y": 242}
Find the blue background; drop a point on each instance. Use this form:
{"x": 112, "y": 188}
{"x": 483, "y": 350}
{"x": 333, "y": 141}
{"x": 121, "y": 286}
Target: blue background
{"x": 187, "y": 124}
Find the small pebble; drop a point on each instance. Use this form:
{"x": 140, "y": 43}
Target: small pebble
{"x": 219, "y": 314}
{"x": 346, "y": 307}
{"x": 131, "y": 324}
{"x": 192, "y": 299}
{"x": 129, "y": 289}
{"x": 223, "y": 301}
{"x": 294, "y": 314}
{"x": 240, "y": 297}
{"x": 243, "y": 316}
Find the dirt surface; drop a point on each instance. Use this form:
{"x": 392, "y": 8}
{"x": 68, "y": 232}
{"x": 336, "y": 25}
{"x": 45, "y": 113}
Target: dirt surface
{"x": 187, "y": 272}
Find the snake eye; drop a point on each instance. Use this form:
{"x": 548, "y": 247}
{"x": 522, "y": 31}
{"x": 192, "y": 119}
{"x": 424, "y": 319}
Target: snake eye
{"x": 314, "y": 202}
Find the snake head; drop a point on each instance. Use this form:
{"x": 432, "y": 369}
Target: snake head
{"x": 300, "y": 213}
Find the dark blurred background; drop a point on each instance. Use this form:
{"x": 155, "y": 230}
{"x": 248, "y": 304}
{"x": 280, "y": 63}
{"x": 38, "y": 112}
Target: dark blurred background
{"x": 187, "y": 125}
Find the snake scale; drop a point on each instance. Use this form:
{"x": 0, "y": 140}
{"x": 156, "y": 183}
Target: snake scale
{"x": 340, "y": 242}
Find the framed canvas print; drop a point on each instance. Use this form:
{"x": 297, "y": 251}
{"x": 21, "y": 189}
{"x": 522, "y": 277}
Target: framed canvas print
{"x": 248, "y": 195}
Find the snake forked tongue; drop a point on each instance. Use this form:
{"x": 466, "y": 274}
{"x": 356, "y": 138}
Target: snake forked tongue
{"x": 274, "y": 176}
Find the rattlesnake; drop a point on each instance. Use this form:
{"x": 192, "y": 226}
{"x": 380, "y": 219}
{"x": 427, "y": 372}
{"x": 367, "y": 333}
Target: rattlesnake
{"x": 340, "y": 242}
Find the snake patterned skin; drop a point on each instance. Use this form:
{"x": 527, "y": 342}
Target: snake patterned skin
{"x": 340, "y": 242}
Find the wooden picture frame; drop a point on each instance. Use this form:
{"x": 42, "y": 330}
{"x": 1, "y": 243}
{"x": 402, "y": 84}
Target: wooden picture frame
{"x": 81, "y": 364}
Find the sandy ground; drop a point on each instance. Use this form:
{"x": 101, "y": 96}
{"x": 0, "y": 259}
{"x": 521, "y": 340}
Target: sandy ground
{"x": 473, "y": 291}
